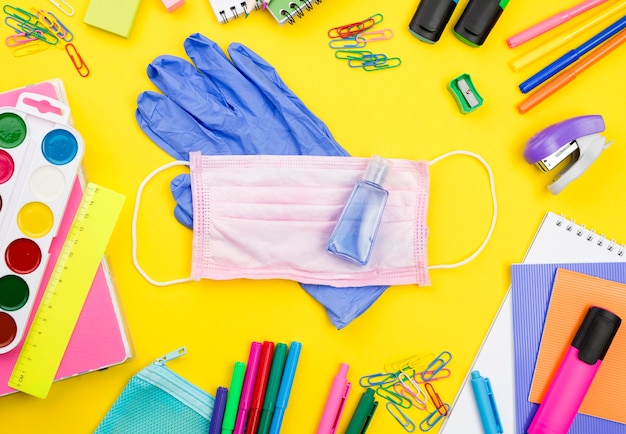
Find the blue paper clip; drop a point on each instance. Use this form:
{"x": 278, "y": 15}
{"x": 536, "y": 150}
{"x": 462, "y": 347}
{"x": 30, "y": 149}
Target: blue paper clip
{"x": 398, "y": 414}
{"x": 390, "y": 62}
{"x": 433, "y": 419}
{"x": 378, "y": 379}
{"x": 441, "y": 374}
{"x": 436, "y": 365}
{"x": 346, "y": 43}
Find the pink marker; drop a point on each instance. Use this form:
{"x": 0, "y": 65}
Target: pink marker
{"x": 336, "y": 402}
{"x": 552, "y": 22}
{"x": 578, "y": 368}
{"x": 247, "y": 388}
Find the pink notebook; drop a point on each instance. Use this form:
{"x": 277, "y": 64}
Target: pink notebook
{"x": 100, "y": 338}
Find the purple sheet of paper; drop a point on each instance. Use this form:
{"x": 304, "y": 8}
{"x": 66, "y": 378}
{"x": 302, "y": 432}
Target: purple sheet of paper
{"x": 531, "y": 288}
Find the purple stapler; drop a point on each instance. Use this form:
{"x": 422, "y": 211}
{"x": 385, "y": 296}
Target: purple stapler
{"x": 576, "y": 140}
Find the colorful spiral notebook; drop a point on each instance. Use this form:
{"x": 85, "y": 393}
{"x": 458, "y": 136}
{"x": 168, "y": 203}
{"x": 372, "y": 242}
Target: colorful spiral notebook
{"x": 557, "y": 240}
{"x": 228, "y": 10}
{"x": 100, "y": 339}
{"x": 287, "y": 11}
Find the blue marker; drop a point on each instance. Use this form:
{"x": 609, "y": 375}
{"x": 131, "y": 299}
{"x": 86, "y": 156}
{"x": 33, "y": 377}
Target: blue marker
{"x": 486, "y": 404}
{"x": 285, "y": 386}
{"x": 572, "y": 56}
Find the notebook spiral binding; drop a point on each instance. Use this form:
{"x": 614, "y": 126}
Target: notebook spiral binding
{"x": 591, "y": 236}
{"x": 297, "y": 8}
{"x": 233, "y": 11}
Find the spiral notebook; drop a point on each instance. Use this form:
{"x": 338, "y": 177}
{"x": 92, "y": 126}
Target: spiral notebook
{"x": 287, "y": 11}
{"x": 228, "y": 10}
{"x": 557, "y": 240}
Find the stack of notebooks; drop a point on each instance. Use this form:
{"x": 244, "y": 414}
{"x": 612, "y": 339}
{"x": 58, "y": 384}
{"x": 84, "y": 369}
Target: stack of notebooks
{"x": 567, "y": 269}
{"x": 283, "y": 11}
{"x": 100, "y": 338}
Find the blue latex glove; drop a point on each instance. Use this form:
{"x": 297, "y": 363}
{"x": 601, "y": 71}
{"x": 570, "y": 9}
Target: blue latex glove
{"x": 238, "y": 106}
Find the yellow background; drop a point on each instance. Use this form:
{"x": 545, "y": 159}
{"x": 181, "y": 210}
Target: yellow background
{"x": 405, "y": 112}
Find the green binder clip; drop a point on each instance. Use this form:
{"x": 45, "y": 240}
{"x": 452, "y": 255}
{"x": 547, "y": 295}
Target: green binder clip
{"x": 465, "y": 94}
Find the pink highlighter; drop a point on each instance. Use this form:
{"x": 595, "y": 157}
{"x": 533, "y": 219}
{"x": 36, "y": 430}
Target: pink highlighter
{"x": 578, "y": 368}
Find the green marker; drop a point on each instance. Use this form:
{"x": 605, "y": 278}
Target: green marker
{"x": 273, "y": 384}
{"x": 363, "y": 414}
{"x": 232, "y": 402}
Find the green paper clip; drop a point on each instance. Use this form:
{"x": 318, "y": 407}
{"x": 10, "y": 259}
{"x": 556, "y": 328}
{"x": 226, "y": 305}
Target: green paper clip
{"x": 465, "y": 94}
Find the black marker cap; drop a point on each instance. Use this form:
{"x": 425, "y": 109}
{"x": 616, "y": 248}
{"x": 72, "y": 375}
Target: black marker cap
{"x": 477, "y": 20}
{"x": 430, "y": 19}
{"x": 595, "y": 334}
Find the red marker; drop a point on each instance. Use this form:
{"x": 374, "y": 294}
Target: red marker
{"x": 260, "y": 384}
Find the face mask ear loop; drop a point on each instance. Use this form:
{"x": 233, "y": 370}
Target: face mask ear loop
{"x": 134, "y": 225}
{"x": 493, "y": 198}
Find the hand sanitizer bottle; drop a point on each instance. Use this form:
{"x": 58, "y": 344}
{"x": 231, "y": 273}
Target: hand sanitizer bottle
{"x": 356, "y": 229}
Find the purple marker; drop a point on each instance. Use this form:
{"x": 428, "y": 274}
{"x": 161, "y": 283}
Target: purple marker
{"x": 248, "y": 388}
{"x": 578, "y": 368}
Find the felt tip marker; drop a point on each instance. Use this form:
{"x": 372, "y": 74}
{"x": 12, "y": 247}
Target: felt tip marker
{"x": 215, "y": 427}
{"x": 247, "y": 388}
{"x": 286, "y": 384}
{"x": 234, "y": 394}
{"x": 260, "y": 386}
{"x": 273, "y": 384}
{"x": 336, "y": 402}
{"x": 576, "y": 372}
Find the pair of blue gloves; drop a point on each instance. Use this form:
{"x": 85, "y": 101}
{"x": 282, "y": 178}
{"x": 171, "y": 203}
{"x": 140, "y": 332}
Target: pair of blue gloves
{"x": 237, "y": 107}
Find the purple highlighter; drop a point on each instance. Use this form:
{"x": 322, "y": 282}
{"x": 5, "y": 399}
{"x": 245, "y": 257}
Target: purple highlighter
{"x": 578, "y": 368}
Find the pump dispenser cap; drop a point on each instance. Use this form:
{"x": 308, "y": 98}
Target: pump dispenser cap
{"x": 377, "y": 169}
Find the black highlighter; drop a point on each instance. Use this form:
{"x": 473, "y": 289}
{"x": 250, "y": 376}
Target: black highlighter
{"x": 430, "y": 19}
{"x": 477, "y": 20}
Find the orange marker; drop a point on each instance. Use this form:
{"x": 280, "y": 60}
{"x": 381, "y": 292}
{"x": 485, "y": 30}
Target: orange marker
{"x": 571, "y": 73}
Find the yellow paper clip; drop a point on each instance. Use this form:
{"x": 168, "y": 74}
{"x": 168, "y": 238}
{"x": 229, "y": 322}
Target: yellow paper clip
{"x": 64, "y": 7}
{"x": 433, "y": 419}
{"x": 29, "y": 48}
{"x": 436, "y": 365}
{"x": 414, "y": 362}
{"x": 398, "y": 415}
{"x": 77, "y": 60}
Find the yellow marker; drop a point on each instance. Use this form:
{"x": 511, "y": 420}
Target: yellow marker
{"x": 566, "y": 36}
{"x": 66, "y": 292}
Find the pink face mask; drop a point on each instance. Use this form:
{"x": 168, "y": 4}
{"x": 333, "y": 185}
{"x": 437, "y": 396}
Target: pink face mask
{"x": 270, "y": 217}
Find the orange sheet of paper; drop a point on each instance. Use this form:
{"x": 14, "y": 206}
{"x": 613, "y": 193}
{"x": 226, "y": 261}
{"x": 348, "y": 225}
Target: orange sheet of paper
{"x": 572, "y": 295}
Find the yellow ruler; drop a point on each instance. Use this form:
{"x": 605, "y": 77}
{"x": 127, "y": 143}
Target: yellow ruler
{"x": 66, "y": 291}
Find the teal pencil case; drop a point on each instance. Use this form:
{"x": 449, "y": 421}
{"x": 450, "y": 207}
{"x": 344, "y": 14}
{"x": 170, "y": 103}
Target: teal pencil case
{"x": 158, "y": 400}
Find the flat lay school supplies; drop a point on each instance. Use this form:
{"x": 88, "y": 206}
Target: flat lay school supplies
{"x": 557, "y": 240}
{"x": 576, "y": 370}
{"x": 288, "y": 11}
{"x": 99, "y": 338}
{"x": 569, "y": 147}
{"x": 228, "y": 10}
{"x": 40, "y": 154}
{"x": 552, "y": 22}
{"x": 157, "y": 399}
{"x": 115, "y": 16}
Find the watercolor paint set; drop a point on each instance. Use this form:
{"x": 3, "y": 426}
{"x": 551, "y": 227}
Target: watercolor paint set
{"x": 40, "y": 155}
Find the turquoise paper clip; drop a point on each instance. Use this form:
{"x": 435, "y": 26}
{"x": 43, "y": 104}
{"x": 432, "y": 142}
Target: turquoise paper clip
{"x": 378, "y": 379}
{"x": 346, "y": 43}
{"x": 398, "y": 415}
{"x": 433, "y": 419}
{"x": 390, "y": 62}
{"x": 436, "y": 365}
{"x": 371, "y": 59}
{"x": 440, "y": 375}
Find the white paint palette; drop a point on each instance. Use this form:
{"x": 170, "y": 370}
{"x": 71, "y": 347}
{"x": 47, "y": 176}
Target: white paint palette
{"x": 40, "y": 155}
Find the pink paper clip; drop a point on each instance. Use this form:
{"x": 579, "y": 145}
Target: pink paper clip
{"x": 18, "y": 39}
{"x": 375, "y": 35}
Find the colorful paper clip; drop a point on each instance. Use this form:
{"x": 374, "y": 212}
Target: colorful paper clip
{"x": 64, "y": 7}
{"x": 17, "y": 39}
{"x": 432, "y": 419}
{"x": 375, "y": 35}
{"x": 30, "y": 48}
{"x": 390, "y": 62}
{"x": 20, "y": 15}
{"x": 77, "y": 60}
{"x": 389, "y": 393}
{"x": 436, "y": 365}
{"x": 408, "y": 386}
{"x": 352, "y": 29}
{"x": 400, "y": 416}
{"x": 436, "y": 399}
{"x": 352, "y": 54}
{"x": 378, "y": 379}
{"x": 414, "y": 362}
{"x": 346, "y": 43}
{"x": 440, "y": 375}
{"x": 371, "y": 59}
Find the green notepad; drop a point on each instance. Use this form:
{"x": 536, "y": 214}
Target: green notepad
{"x": 115, "y": 16}
{"x": 288, "y": 10}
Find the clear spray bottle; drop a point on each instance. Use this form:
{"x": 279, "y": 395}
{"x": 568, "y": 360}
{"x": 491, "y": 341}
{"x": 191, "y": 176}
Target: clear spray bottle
{"x": 357, "y": 227}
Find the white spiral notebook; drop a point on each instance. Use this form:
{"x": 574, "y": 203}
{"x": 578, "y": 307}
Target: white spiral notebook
{"x": 558, "y": 240}
{"x": 228, "y": 10}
